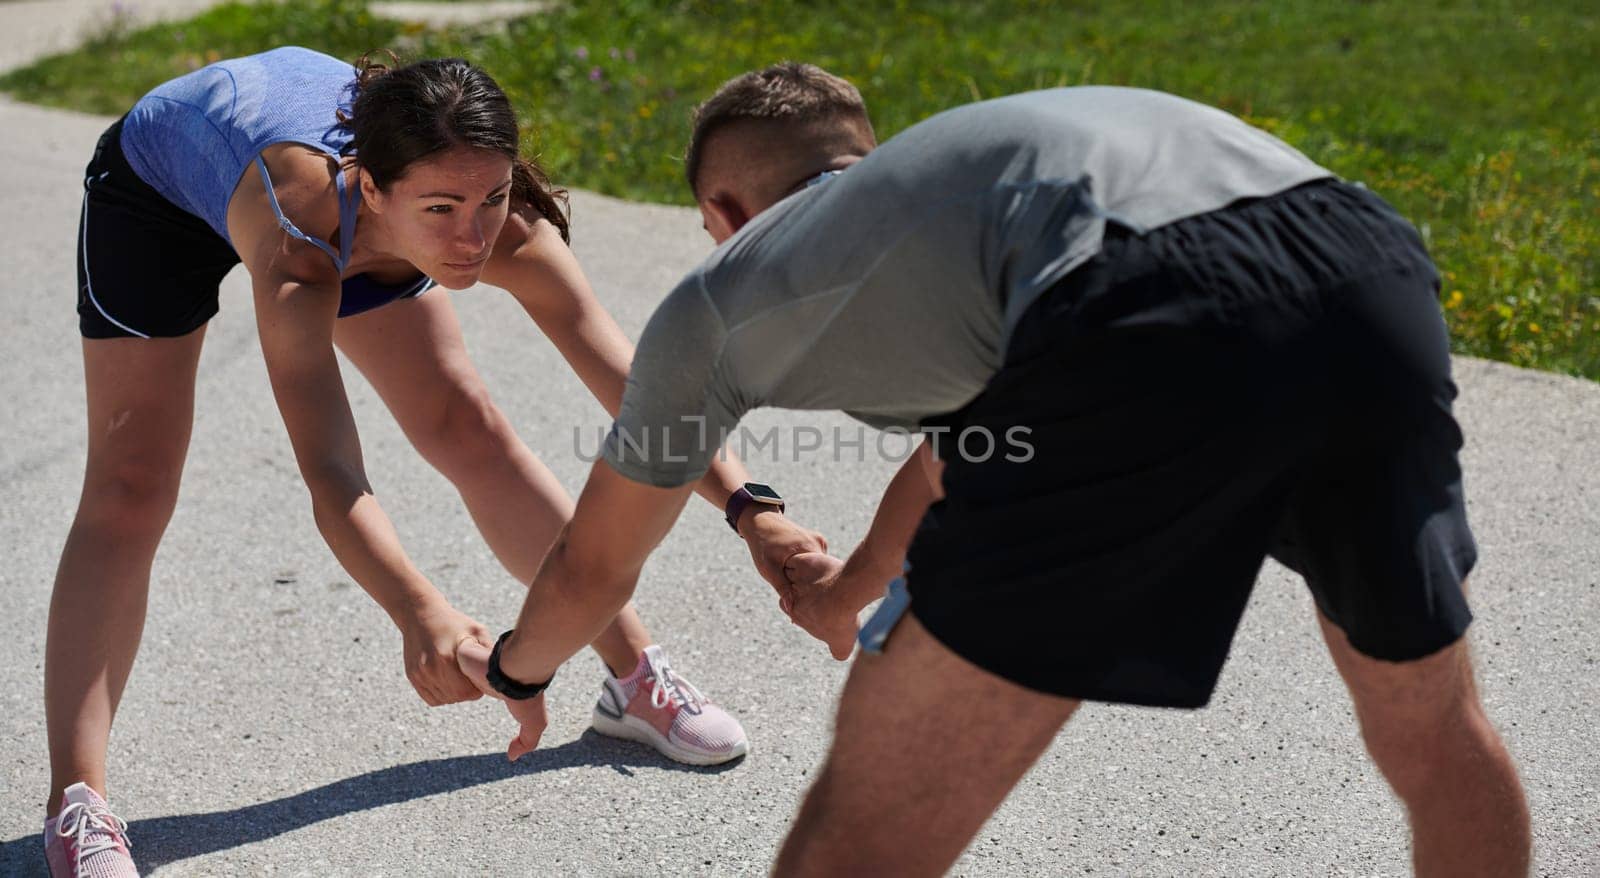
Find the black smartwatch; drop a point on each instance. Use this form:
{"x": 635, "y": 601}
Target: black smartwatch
{"x": 505, "y": 685}
{"x": 752, "y": 492}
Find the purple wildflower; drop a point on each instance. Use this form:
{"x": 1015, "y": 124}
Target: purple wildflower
{"x": 596, "y": 74}
{"x": 581, "y": 53}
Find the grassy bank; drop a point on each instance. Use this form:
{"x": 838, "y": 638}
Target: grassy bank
{"x": 1480, "y": 121}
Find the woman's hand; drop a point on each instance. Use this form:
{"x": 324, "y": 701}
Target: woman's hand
{"x": 530, "y": 715}
{"x": 432, "y": 635}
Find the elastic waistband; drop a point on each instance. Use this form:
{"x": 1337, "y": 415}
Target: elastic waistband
{"x": 1315, "y": 235}
{"x": 110, "y": 161}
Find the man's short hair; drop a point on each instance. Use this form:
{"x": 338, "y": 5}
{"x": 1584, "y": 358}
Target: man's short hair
{"x": 788, "y": 91}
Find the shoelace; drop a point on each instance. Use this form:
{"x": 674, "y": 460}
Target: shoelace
{"x": 669, "y": 686}
{"x": 93, "y": 828}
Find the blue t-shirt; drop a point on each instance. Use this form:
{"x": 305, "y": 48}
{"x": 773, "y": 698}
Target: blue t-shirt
{"x": 192, "y": 138}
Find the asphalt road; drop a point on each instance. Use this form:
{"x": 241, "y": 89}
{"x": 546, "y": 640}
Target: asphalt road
{"x": 268, "y": 728}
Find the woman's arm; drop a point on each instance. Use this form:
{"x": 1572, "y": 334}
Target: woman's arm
{"x": 532, "y": 263}
{"x": 297, "y": 290}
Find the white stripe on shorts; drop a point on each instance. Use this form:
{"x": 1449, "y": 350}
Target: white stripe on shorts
{"x": 88, "y": 286}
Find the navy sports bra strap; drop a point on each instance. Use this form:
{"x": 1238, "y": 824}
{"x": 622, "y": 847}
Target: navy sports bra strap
{"x": 347, "y": 216}
{"x": 288, "y": 226}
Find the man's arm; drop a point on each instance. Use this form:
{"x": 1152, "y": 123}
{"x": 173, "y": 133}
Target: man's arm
{"x": 912, "y": 490}
{"x": 532, "y": 263}
{"x": 590, "y": 572}
{"x": 823, "y": 596}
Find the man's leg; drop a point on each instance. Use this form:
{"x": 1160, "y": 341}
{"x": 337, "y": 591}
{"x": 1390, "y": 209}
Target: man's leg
{"x": 926, "y": 746}
{"x": 1428, "y": 734}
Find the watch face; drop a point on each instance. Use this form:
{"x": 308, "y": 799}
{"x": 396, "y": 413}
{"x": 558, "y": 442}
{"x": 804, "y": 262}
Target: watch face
{"x": 761, "y": 492}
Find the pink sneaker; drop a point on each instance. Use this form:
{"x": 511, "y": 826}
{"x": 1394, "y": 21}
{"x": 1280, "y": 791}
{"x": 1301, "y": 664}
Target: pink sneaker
{"x": 657, "y": 707}
{"x": 86, "y": 840}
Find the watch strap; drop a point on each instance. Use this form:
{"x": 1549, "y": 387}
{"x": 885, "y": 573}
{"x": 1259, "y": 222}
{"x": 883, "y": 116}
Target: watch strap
{"x": 512, "y": 689}
{"x": 740, "y": 500}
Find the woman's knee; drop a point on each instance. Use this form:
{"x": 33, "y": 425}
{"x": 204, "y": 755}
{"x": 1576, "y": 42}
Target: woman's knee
{"x": 130, "y": 494}
{"x": 467, "y": 431}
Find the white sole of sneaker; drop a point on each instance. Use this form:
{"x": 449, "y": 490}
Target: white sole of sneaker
{"x": 631, "y": 728}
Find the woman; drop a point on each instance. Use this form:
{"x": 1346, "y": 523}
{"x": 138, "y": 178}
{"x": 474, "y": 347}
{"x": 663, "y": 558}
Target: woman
{"x": 347, "y": 194}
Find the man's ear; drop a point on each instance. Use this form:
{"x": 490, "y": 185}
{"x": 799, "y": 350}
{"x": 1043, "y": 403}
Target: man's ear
{"x": 723, "y": 215}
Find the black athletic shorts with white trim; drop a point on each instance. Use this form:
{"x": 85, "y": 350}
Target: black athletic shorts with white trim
{"x": 1272, "y": 378}
{"x": 146, "y": 267}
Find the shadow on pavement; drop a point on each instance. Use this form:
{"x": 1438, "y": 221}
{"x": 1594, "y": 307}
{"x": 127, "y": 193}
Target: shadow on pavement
{"x": 158, "y": 841}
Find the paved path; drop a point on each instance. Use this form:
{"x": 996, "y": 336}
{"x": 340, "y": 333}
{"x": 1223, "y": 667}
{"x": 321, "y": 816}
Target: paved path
{"x": 442, "y": 14}
{"x": 34, "y": 28}
{"x": 268, "y": 727}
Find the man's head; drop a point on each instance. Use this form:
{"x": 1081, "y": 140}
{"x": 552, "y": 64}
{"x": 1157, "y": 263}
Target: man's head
{"x": 767, "y": 132}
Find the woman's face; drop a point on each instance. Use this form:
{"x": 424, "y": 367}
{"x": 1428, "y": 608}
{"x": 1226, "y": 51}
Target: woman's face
{"x": 444, "y": 215}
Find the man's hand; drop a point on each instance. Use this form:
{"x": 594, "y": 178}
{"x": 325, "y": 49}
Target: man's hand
{"x": 473, "y": 659}
{"x": 432, "y": 635}
{"x": 773, "y": 539}
{"x": 815, "y": 603}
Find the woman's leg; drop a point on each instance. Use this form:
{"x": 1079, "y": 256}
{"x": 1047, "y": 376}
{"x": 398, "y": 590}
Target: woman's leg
{"x": 141, "y": 407}
{"x": 413, "y": 354}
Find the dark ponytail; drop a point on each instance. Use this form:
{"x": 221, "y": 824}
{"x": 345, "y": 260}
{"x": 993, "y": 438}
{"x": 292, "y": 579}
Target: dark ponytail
{"x": 400, "y": 115}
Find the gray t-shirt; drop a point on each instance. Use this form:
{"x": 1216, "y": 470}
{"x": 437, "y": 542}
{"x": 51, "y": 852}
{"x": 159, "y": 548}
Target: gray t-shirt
{"x": 889, "y": 291}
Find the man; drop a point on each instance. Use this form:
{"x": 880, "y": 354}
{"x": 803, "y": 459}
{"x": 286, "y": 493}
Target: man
{"x": 1212, "y": 351}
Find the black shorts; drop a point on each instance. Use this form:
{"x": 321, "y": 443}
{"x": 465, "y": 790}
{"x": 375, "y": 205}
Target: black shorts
{"x": 146, "y": 267}
{"x": 1272, "y": 378}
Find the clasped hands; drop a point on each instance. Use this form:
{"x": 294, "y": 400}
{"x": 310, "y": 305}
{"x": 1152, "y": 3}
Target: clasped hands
{"x": 447, "y": 661}
{"x": 818, "y": 592}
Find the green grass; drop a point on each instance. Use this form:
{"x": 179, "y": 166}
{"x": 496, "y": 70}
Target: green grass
{"x": 1478, "y": 120}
